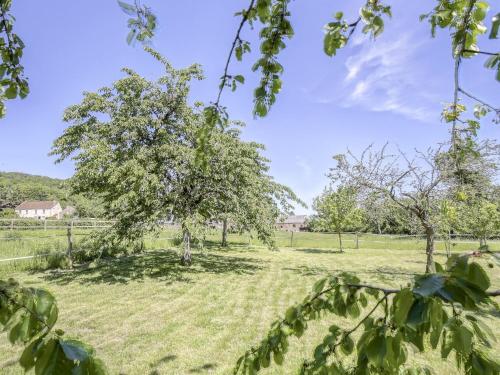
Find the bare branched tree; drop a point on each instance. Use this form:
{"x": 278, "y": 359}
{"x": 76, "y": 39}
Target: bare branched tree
{"x": 414, "y": 184}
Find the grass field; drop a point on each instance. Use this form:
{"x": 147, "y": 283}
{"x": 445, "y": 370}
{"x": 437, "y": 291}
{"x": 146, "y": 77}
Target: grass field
{"x": 146, "y": 314}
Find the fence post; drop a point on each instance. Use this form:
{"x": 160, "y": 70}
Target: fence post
{"x": 357, "y": 240}
{"x": 45, "y": 224}
{"x": 12, "y": 224}
{"x": 291, "y": 240}
{"x": 70, "y": 246}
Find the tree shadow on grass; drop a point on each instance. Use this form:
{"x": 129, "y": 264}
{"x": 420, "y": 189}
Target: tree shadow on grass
{"x": 163, "y": 265}
{"x": 9, "y": 363}
{"x": 203, "y": 368}
{"x": 309, "y": 271}
{"x": 319, "y": 251}
{"x": 166, "y": 359}
{"x": 385, "y": 274}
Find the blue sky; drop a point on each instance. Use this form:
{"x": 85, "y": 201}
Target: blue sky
{"x": 371, "y": 92}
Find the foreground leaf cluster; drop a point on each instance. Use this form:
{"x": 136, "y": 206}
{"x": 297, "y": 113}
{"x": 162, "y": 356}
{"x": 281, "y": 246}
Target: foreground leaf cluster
{"x": 436, "y": 310}
{"x": 28, "y": 316}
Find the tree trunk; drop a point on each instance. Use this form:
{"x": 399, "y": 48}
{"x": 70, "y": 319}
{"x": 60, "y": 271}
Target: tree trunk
{"x": 69, "y": 253}
{"x": 340, "y": 242}
{"x": 186, "y": 256}
{"x": 224, "y": 233}
{"x": 447, "y": 244}
{"x": 378, "y": 228}
{"x": 482, "y": 243}
{"x": 429, "y": 250}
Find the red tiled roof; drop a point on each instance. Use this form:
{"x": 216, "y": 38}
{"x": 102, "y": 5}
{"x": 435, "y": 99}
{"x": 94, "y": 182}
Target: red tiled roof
{"x": 36, "y": 205}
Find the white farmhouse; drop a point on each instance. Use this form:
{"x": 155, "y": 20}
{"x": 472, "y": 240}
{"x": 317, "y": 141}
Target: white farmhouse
{"x": 39, "y": 209}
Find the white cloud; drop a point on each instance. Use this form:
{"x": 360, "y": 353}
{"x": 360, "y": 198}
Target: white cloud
{"x": 385, "y": 76}
{"x": 388, "y": 75}
{"x": 303, "y": 165}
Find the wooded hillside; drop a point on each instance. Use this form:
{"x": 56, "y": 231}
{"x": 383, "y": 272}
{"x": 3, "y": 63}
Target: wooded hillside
{"x": 16, "y": 187}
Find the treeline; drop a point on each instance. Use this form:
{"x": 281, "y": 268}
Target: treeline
{"x": 384, "y": 192}
{"x": 385, "y": 218}
{"x": 17, "y": 187}
{"x": 388, "y": 218}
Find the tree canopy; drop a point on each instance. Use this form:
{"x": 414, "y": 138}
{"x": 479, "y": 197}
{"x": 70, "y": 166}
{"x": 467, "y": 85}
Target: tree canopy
{"x": 135, "y": 146}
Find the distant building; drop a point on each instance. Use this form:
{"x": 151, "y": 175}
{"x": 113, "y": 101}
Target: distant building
{"x": 294, "y": 223}
{"x": 39, "y": 209}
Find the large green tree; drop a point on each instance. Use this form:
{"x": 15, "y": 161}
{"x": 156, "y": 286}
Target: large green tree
{"x": 135, "y": 146}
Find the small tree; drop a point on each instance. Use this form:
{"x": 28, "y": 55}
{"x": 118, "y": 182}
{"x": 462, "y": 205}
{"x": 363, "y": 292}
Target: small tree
{"x": 336, "y": 211}
{"x": 447, "y": 221}
{"x": 481, "y": 218}
{"x": 376, "y": 212}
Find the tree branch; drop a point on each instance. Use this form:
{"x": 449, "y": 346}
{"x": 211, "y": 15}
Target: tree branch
{"x": 456, "y": 72}
{"x": 352, "y": 330}
{"x": 237, "y": 38}
{"x": 496, "y": 110}
{"x": 481, "y": 52}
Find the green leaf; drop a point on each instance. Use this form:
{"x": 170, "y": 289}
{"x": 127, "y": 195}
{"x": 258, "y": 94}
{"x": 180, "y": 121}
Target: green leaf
{"x": 353, "y": 310}
{"x": 298, "y": 328}
{"x": 479, "y": 14}
{"x": 477, "y": 275}
{"x": 127, "y": 8}
{"x": 347, "y": 345}
{"x": 11, "y": 92}
{"x": 376, "y": 350}
{"x": 291, "y": 315}
{"x": 363, "y": 300}
{"x": 238, "y": 52}
{"x": 402, "y": 304}
{"x": 333, "y": 40}
{"x": 365, "y": 14}
{"x": 319, "y": 285}
{"x": 462, "y": 340}
{"x": 260, "y": 108}
{"x": 278, "y": 358}
{"x": 416, "y": 313}
{"x": 495, "y": 26}
{"x": 27, "y": 360}
{"x": 446, "y": 346}
{"x": 428, "y": 285}
{"x": 378, "y": 22}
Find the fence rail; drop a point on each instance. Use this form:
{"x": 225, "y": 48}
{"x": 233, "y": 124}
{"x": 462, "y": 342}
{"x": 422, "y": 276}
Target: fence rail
{"x": 47, "y": 224}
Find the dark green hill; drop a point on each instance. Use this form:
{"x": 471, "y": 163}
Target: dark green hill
{"x": 16, "y": 187}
